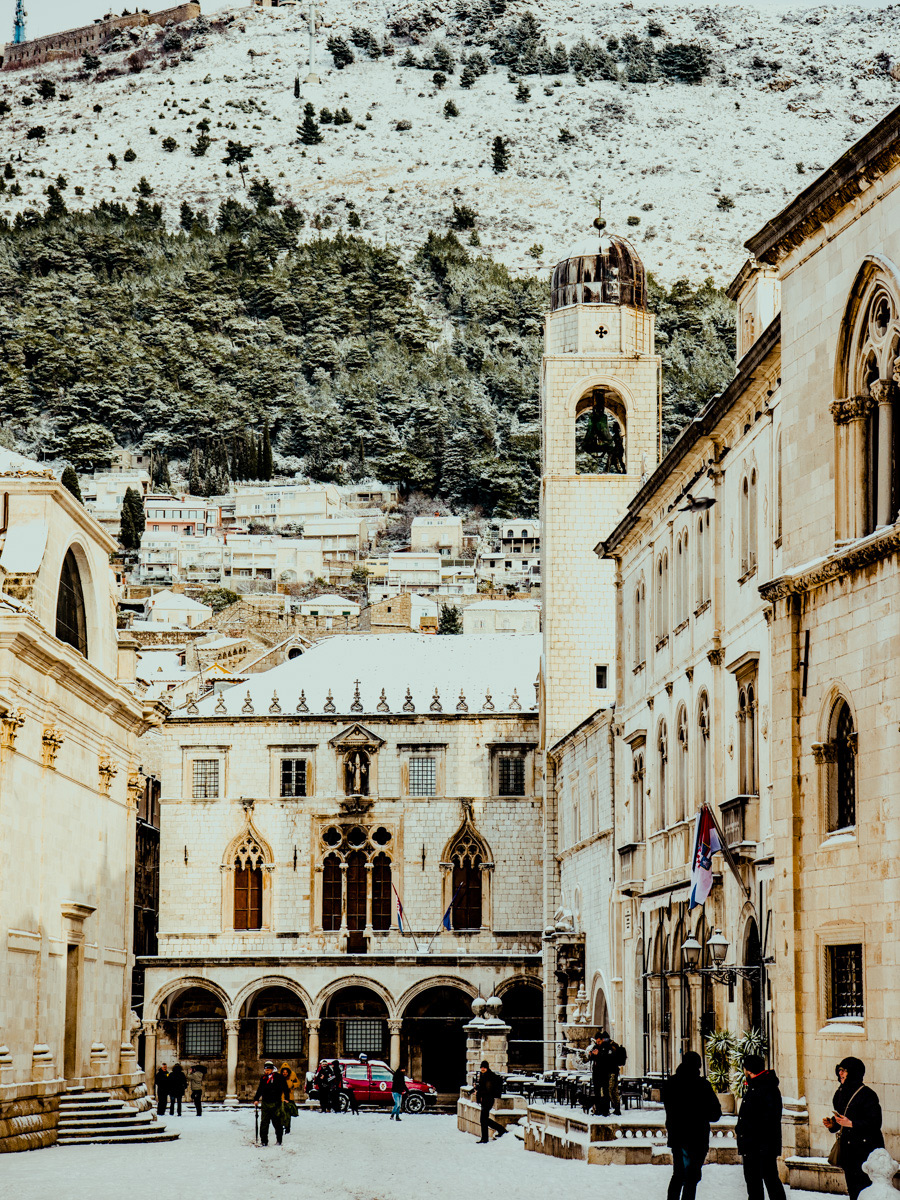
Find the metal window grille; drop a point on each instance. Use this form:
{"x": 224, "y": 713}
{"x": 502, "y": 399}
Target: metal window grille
{"x": 845, "y": 980}
{"x": 206, "y": 778}
{"x": 845, "y": 770}
{"x": 512, "y": 774}
{"x": 283, "y": 1037}
{"x": 363, "y": 1037}
{"x": 202, "y": 1039}
{"x": 422, "y": 775}
{"x": 293, "y": 777}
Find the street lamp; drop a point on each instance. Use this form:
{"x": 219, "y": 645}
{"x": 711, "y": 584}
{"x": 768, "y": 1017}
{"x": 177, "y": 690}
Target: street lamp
{"x": 718, "y": 947}
{"x": 718, "y": 952}
{"x": 690, "y": 952}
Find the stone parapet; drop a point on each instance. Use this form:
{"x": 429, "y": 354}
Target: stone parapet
{"x": 29, "y": 1114}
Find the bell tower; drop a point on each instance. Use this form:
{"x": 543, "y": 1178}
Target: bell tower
{"x": 600, "y": 398}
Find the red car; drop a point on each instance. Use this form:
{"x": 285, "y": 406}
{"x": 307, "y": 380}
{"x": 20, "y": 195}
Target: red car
{"x": 370, "y": 1083}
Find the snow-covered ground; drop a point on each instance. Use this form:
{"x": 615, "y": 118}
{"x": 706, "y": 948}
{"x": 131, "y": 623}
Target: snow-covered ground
{"x": 662, "y": 153}
{"x": 329, "y": 1157}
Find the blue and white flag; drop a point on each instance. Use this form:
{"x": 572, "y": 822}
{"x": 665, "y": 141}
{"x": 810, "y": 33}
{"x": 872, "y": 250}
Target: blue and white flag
{"x": 706, "y": 844}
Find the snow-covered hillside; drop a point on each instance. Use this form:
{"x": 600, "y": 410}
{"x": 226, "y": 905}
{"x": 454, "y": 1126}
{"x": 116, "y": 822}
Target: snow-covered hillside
{"x": 698, "y": 167}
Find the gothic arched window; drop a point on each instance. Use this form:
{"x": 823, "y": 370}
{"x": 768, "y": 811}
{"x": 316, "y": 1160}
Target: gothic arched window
{"x": 842, "y": 768}
{"x": 681, "y": 767}
{"x": 71, "y": 626}
{"x": 600, "y": 438}
{"x": 331, "y": 892}
{"x": 866, "y": 464}
{"x": 660, "y": 808}
{"x": 468, "y": 859}
{"x": 748, "y": 750}
{"x": 702, "y": 755}
{"x": 749, "y": 509}
{"x": 381, "y": 892}
{"x": 662, "y": 595}
{"x": 640, "y": 609}
{"x": 248, "y": 884}
{"x": 637, "y": 797}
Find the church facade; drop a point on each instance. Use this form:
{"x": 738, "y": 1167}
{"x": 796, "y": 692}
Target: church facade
{"x": 346, "y": 865}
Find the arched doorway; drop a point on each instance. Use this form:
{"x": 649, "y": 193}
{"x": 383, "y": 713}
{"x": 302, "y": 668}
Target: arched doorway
{"x": 600, "y": 1015}
{"x": 354, "y": 1022}
{"x": 192, "y": 1032}
{"x": 523, "y": 1011}
{"x": 433, "y": 1039}
{"x": 273, "y": 1025}
{"x": 752, "y": 987}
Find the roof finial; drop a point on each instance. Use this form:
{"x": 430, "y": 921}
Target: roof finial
{"x": 599, "y": 221}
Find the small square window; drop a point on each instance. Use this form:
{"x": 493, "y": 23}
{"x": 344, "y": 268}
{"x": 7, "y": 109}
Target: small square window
{"x": 511, "y": 773}
{"x": 601, "y": 675}
{"x": 283, "y": 1037}
{"x": 206, "y": 779}
{"x": 293, "y": 777}
{"x": 845, "y": 981}
{"x": 363, "y": 1037}
{"x": 422, "y": 775}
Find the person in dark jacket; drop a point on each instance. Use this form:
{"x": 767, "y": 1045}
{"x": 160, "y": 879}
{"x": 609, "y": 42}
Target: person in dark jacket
{"x": 322, "y": 1085}
{"x": 600, "y": 1058}
{"x": 488, "y": 1088}
{"x": 337, "y": 1086}
{"x": 162, "y": 1088}
{"x": 269, "y": 1099}
{"x": 857, "y": 1121}
{"x": 177, "y": 1088}
{"x": 691, "y": 1107}
{"x": 398, "y": 1091}
{"x": 759, "y": 1130}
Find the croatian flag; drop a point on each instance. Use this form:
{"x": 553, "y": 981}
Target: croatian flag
{"x": 446, "y": 920}
{"x": 401, "y": 915}
{"x": 706, "y": 843}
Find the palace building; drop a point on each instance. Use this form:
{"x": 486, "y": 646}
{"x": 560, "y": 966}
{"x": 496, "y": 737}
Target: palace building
{"x": 300, "y": 811}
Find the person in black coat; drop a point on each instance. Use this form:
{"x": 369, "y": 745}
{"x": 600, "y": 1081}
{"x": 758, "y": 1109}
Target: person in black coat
{"x": 398, "y": 1091}
{"x": 857, "y": 1121}
{"x": 271, "y": 1094}
{"x": 758, "y": 1130}
{"x": 177, "y": 1088}
{"x": 488, "y": 1088}
{"x": 161, "y": 1080}
{"x": 691, "y": 1107}
{"x": 603, "y": 1070}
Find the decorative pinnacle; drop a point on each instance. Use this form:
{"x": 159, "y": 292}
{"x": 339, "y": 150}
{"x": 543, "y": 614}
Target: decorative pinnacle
{"x": 599, "y": 221}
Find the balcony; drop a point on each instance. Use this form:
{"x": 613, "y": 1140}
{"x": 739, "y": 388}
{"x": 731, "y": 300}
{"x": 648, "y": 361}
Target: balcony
{"x": 740, "y": 821}
{"x": 631, "y": 869}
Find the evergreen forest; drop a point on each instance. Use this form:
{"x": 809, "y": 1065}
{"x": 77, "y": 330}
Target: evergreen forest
{"x": 330, "y": 356}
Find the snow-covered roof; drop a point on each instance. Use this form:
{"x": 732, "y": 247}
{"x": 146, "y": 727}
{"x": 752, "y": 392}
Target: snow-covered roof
{"x": 162, "y": 664}
{"x": 24, "y": 546}
{"x": 11, "y": 461}
{"x": 503, "y": 605}
{"x": 494, "y": 672}
{"x": 332, "y": 599}
{"x": 178, "y": 600}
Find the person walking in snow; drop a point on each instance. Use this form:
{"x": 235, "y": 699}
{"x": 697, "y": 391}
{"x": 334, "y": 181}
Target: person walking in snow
{"x": 195, "y": 1080}
{"x": 488, "y": 1088}
{"x": 691, "y": 1107}
{"x": 398, "y": 1091}
{"x": 161, "y": 1081}
{"x": 177, "y": 1088}
{"x": 337, "y": 1086}
{"x": 758, "y": 1130}
{"x": 290, "y": 1106}
{"x": 857, "y": 1122}
{"x": 322, "y": 1085}
{"x": 271, "y": 1094}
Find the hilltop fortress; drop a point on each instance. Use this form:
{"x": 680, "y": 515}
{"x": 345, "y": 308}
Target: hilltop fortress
{"x": 72, "y": 43}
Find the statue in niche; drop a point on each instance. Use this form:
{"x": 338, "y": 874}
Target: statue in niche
{"x": 602, "y": 437}
{"x": 356, "y": 773}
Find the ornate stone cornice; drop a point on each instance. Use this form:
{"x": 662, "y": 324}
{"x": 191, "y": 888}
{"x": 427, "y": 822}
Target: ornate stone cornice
{"x": 845, "y": 561}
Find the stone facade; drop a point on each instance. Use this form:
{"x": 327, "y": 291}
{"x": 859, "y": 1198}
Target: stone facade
{"x": 69, "y": 787}
{"x": 835, "y": 674}
{"x": 87, "y": 39}
{"x": 323, "y": 952}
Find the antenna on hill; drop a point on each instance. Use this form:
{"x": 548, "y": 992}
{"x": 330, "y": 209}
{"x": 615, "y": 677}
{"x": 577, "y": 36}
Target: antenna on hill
{"x": 19, "y": 35}
{"x": 312, "y": 77}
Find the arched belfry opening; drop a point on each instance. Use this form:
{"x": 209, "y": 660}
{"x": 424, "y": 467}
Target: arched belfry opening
{"x": 600, "y": 433}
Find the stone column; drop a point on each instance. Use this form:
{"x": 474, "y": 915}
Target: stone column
{"x": 232, "y": 1029}
{"x": 859, "y": 410}
{"x": 343, "y": 932}
{"x": 369, "y": 931}
{"x": 150, "y": 1031}
{"x": 394, "y": 1027}
{"x": 842, "y": 481}
{"x": 313, "y": 1026}
{"x": 882, "y": 394}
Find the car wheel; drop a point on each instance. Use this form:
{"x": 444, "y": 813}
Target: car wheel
{"x": 414, "y": 1104}
{"x": 343, "y": 1101}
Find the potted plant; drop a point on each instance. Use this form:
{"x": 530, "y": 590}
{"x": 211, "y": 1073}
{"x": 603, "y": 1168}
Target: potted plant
{"x": 751, "y": 1041}
{"x": 719, "y": 1051}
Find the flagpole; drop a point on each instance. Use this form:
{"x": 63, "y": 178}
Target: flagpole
{"x": 729, "y": 857}
{"x": 403, "y": 915}
{"x": 443, "y": 918}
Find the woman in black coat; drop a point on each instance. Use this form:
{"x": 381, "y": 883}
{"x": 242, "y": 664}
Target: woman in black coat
{"x": 177, "y": 1088}
{"x": 691, "y": 1107}
{"x": 857, "y": 1120}
{"x": 162, "y": 1088}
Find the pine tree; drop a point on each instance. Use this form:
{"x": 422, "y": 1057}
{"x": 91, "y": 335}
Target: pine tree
{"x": 266, "y": 466}
{"x": 186, "y": 217}
{"x": 450, "y": 109}
{"x": 195, "y": 472}
{"x": 500, "y": 154}
{"x": 523, "y": 93}
{"x": 340, "y": 52}
{"x": 449, "y": 619}
{"x": 308, "y": 131}
{"x": 127, "y": 532}
{"x": 468, "y": 76}
{"x": 69, "y": 480}
{"x": 296, "y": 87}
{"x": 135, "y": 505}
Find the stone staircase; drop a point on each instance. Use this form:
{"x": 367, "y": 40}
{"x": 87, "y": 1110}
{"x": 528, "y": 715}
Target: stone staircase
{"x": 88, "y": 1118}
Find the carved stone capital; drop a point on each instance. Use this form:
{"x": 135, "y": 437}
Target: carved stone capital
{"x": 314, "y": 1024}
{"x": 135, "y": 789}
{"x": 51, "y": 740}
{"x": 882, "y": 391}
{"x": 716, "y": 656}
{"x": 394, "y": 1025}
{"x": 840, "y": 412}
{"x": 824, "y": 752}
{"x": 233, "y": 1027}
{"x": 10, "y": 724}
{"x": 860, "y": 407}
{"x": 107, "y": 771}
{"x": 150, "y": 1028}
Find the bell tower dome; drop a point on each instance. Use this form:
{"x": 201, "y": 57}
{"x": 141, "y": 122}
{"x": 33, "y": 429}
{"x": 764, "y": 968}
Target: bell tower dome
{"x": 600, "y": 405}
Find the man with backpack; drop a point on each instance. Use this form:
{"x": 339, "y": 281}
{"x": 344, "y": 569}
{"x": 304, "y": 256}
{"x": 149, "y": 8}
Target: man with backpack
{"x": 606, "y": 1057}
